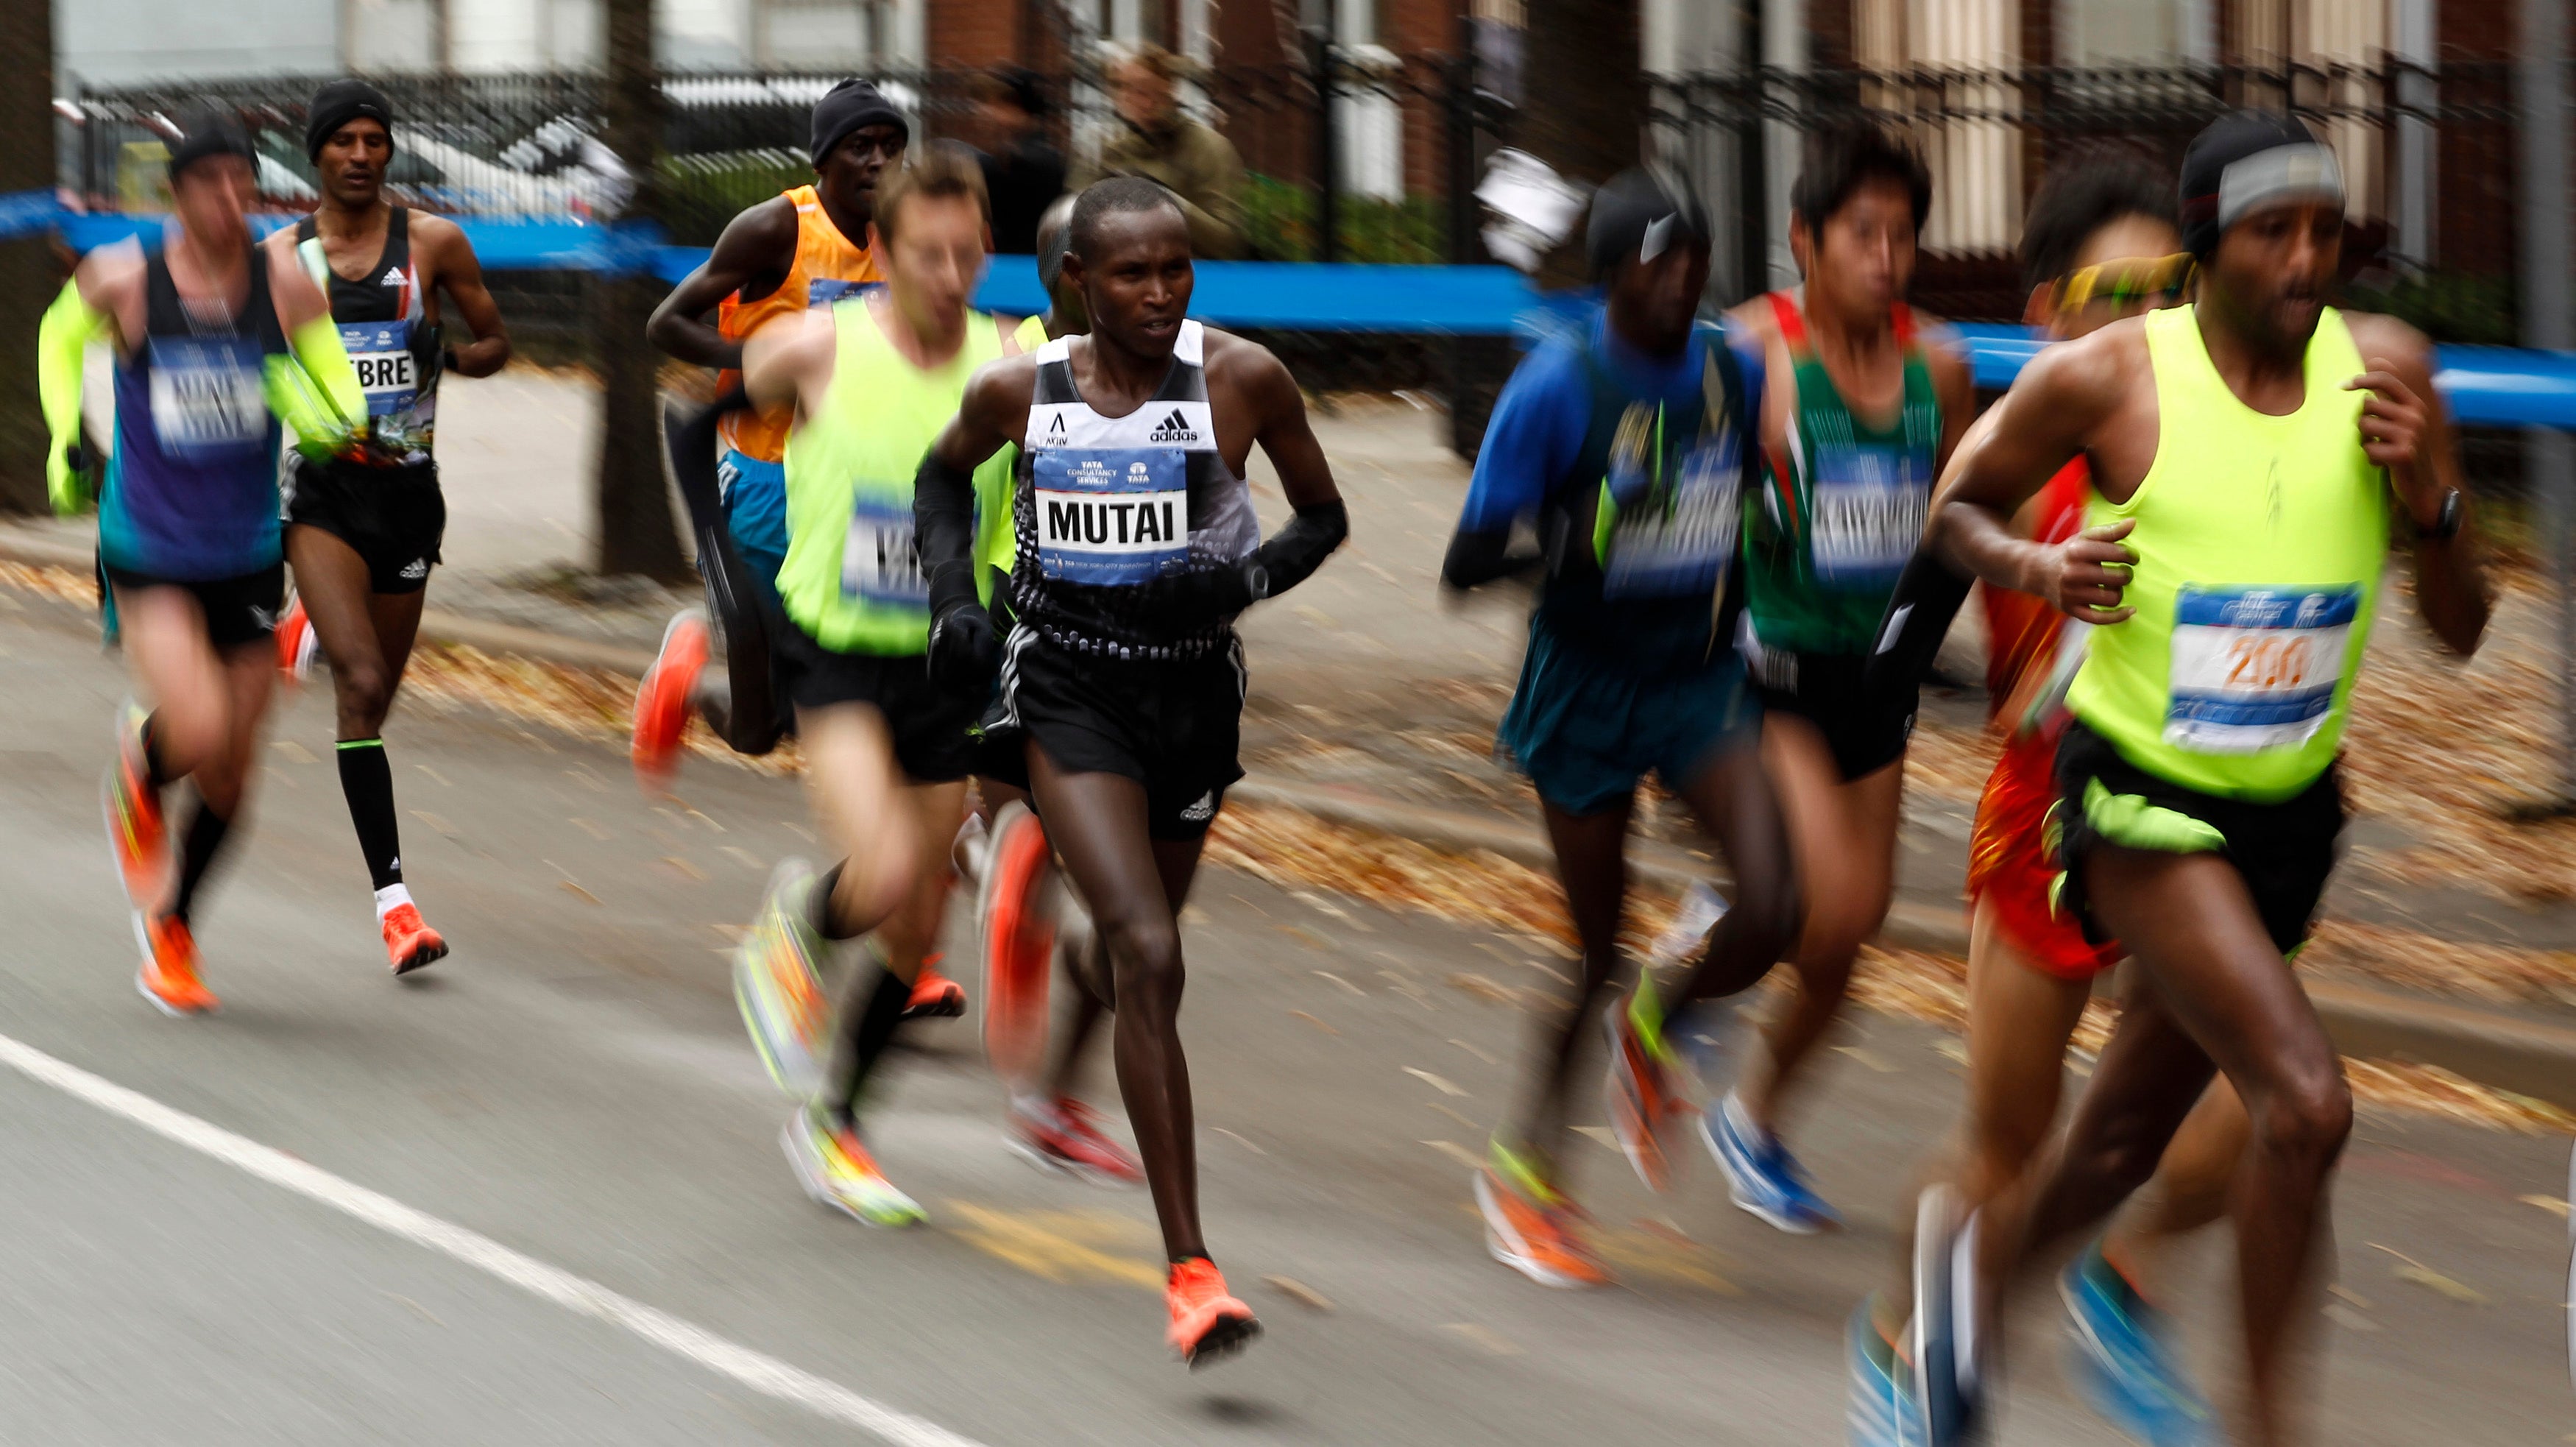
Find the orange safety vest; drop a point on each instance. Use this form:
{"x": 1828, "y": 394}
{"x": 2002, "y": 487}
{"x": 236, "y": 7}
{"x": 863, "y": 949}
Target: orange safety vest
{"x": 828, "y": 267}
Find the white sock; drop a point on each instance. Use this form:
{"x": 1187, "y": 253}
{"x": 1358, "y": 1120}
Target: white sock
{"x": 389, "y": 898}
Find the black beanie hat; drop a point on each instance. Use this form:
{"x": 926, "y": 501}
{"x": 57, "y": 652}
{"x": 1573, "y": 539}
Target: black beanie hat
{"x": 1634, "y": 217}
{"x": 2250, "y": 159}
{"x": 205, "y": 131}
{"x": 850, "y": 106}
{"x": 337, "y": 104}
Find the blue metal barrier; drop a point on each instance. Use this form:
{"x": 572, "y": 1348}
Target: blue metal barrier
{"x": 2486, "y": 386}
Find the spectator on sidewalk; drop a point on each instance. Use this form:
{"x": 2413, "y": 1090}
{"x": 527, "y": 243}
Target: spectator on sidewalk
{"x": 1025, "y": 174}
{"x": 1160, "y": 142}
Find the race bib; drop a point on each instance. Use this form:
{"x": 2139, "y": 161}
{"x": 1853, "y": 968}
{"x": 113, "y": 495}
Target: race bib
{"x": 2255, "y": 669}
{"x": 881, "y": 561}
{"x": 1108, "y": 517}
{"x": 1869, "y": 505}
{"x": 1682, "y": 542}
{"x": 381, "y": 352}
{"x": 206, "y": 396}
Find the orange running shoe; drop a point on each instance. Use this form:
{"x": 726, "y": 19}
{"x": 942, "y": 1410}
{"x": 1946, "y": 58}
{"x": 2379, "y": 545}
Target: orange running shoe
{"x": 409, "y": 941}
{"x": 1529, "y": 1225}
{"x": 135, "y": 830}
{"x": 1015, "y": 939}
{"x": 1643, "y": 1092}
{"x": 297, "y": 644}
{"x": 934, "y": 995}
{"x": 662, "y": 699}
{"x": 1207, "y": 1324}
{"x": 169, "y": 975}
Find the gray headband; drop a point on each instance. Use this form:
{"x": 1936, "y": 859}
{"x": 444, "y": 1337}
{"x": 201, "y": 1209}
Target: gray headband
{"x": 2282, "y": 173}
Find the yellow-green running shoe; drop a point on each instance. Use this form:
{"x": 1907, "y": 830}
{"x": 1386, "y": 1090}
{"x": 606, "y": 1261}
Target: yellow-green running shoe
{"x": 775, "y": 984}
{"x": 836, "y": 1170}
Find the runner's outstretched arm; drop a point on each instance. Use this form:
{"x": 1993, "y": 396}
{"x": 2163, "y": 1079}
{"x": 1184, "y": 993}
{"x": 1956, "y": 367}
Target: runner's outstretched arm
{"x": 1929, "y": 593}
{"x": 460, "y": 275}
{"x": 2407, "y": 431}
{"x": 61, "y": 340}
{"x": 963, "y": 649}
{"x": 2042, "y": 424}
{"x": 752, "y": 256}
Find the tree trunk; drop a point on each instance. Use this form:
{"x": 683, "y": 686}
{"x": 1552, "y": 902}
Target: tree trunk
{"x": 1582, "y": 102}
{"x": 638, "y": 532}
{"x": 29, "y": 276}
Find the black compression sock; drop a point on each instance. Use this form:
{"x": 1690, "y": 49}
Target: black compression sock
{"x": 205, "y": 836}
{"x": 869, "y": 1016}
{"x": 825, "y": 924}
{"x": 367, "y": 778}
{"x": 152, "y": 766}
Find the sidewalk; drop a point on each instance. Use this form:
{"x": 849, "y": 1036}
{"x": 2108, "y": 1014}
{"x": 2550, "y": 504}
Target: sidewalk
{"x": 1374, "y": 694}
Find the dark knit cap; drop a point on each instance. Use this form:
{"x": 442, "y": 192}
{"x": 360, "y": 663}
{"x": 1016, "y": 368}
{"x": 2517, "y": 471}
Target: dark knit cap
{"x": 337, "y": 104}
{"x": 205, "y": 131}
{"x": 852, "y": 105}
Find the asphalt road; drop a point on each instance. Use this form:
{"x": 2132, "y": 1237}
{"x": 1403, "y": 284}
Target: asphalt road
{"x": 537, "y": 1196}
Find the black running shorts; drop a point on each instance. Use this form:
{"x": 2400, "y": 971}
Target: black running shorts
{"x": 1173, "y": 727}
{"x": 393, "y": 517}
{"x": 241, "y": 612}
{"x": 1866, "y": 732}
{"x": 2284, "y": 851}
{"x": 932, "y": 728}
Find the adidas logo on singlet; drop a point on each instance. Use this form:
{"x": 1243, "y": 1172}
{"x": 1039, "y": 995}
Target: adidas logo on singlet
{"x": 393, "y": 277}
{"x": 1175, "y": 428}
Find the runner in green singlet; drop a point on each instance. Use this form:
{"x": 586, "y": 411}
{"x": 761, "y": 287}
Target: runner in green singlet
{"x": 2244, "y": 453}
{"x": 872, "y": 379}
{"x": 1875, "y": 403}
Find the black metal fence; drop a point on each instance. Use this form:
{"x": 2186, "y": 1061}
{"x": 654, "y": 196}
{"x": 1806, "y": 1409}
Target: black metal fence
{"x": 1377, "y": 162}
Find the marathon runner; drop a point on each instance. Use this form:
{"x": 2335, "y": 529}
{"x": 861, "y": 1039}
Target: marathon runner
{"x": 2100, "y": 244}
{"x": 363, "y": 538}
{"x": 1138, "y": 546}
{"x": 1625, "y": 445}
{"x": 801, "y": 249}
{"x": 2243, "y": 451}
{"x": 216, "y": 343}
{"x": 1026, "y": 915}
{"x": 871, "y": 379}
{"x": 1868, "y": 401}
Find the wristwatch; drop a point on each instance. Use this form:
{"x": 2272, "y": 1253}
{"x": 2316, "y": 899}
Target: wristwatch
{"x": 2446, "y": 522}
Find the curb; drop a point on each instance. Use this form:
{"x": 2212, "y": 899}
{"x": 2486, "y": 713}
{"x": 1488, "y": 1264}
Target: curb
{"x": 2529, "y": 1057}
{"x": 437, "y": 625}
{"x": 2526, "y": 1056}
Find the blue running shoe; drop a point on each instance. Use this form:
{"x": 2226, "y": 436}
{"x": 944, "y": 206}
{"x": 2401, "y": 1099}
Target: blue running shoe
{"x": 2125, "y": 1361}
{"x": 1761, "y": 1175}
{"x": 1948, "y": 1368}
{"x": 1881, "y": 1410}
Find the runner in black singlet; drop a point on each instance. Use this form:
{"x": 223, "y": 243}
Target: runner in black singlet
{"x": 364, "y": 537}
{"x": 1137, "y": 548}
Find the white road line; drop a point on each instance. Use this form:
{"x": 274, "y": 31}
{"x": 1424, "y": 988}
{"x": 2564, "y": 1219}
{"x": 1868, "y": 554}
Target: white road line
{"x": 760, "y": 1372}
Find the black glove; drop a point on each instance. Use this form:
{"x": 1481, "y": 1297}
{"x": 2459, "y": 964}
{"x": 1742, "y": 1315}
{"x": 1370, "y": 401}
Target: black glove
{"x": 963, "y": 649}
{"x": 1214, "y": 593}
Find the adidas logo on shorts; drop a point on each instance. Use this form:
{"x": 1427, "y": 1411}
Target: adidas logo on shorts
{"x": 1175, "y": 428}
{"x": 416, "y": 568}
{"x": 1202, "y": 811}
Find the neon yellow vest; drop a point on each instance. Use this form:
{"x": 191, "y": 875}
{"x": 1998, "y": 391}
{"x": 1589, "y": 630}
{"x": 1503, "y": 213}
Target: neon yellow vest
{"x": 2260, "y": 542}
{"x": 853, "y": 575}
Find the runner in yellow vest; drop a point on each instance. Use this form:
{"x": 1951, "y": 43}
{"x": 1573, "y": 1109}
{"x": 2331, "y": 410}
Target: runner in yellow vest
{"x": 872, "y": 381}
{"x": 2244, "y": 451}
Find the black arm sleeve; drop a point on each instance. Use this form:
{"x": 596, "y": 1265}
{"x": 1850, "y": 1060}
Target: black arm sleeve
{"x": 1928, "y": 596}
{"x": 943, "y": 525}
{"x": 1476, "y": 559}
{"x": 1294, "y": 552}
